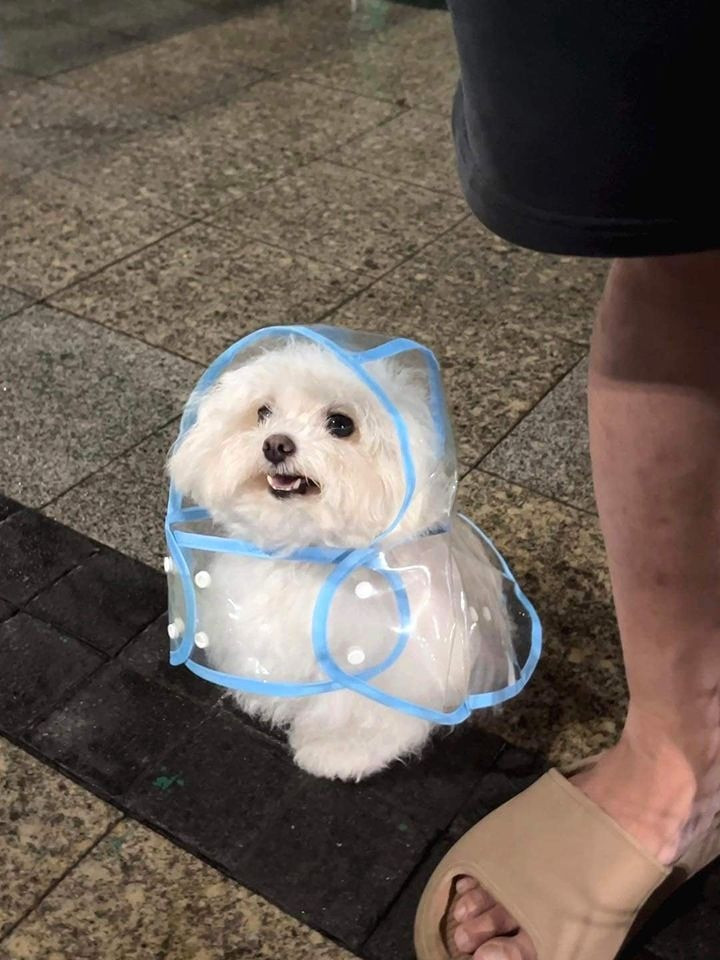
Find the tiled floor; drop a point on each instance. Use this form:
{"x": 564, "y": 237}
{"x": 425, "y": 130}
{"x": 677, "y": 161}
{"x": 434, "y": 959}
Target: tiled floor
{"x": 173, "y": 175}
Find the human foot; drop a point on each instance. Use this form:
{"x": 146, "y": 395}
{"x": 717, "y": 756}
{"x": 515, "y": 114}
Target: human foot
{"x": 658, "y": 795}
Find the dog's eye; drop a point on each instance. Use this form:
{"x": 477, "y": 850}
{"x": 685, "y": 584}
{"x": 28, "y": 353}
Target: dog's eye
{"x": 339, "y": 425}
{"x": 263, "y": 413}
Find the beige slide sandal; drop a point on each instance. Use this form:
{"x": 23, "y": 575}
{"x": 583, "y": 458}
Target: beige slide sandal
{"x": 572, "y": 878}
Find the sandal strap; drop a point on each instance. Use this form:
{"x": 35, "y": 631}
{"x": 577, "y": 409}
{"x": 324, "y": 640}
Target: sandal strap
{"x": 569, "y": 874}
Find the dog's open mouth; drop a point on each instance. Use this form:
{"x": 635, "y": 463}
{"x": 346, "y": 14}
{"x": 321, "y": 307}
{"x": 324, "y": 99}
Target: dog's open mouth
{"x": 284, "y": 485}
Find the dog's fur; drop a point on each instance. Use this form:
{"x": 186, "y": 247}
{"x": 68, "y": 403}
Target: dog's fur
{"x": 257, "y": 613}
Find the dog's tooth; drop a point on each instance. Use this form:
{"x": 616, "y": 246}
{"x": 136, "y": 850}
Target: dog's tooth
{"x": 296, "y": 484}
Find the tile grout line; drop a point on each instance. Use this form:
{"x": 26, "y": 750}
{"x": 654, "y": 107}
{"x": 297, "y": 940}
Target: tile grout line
{"x": 65, "y": 873}
{"x": 328, "y": 158}
{"x": 123, "y": 453}
{"x": 479, "y": 469}
{"x": 563, "y": 376}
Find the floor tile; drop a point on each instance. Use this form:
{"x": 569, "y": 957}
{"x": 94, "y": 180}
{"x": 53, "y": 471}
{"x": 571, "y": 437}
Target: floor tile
{"x": 216, "y": 792}
{"x": 105, "y": 601}
{"x": 77, "y": 395}
{"x": 42, "y": 46}
{"x": 43, "y": 123}
{"x": 11, "y": 301}
{"x": 218, "y": 152}
{"x": 142, "y": 897}
{"x": 7, "y": 610}
{"x": 46, "y": 824}
{"x": 148, "y": 655}
{"x": 170, "y": 77}
{"x": 574, "y": 705}
{"x": 281, "y": 36}
{"x": 41, "y": 666}
{"x": 34, "y": 552}
{"x": 548, "y": 451}
{"x": 469, "y": 265}
{"x": 688, "y": 925}
{"x": 430, "y": 789}
{"x": 123, "y": 504}
{"x": 362, "y": 856}
{"x": 494, "y": 371}
{"x": 54, "y": 232}
{"x": 138, "y": 19}
{"x": 415, "y": 147}
{"x": 492, "y": 791}
{"x": 8, "y": 506}
{"x": 342, "y": 216}
{"x": 115, "y": 728}
{"x": 414, "y": 63}
{"x": 393, "y": 937}
{"x": 11, "y": 82}
{"x": 203, "y": 288}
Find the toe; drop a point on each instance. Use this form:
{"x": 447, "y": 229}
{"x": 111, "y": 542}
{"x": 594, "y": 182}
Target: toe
{"x": 471, "y": 904}
{"x": 475, "y": 931}
{"x": 517, "y": 947}
{"x": 465, "y": 883}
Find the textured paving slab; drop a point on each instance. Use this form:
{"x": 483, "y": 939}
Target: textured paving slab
{"x": 469, "y": 265}
{"x": 203, "y": 288}
{"x": 549, "y": 450}
{"x": 415, "y": 147}
{"x": 123, "y": 504}
{"x": 76, "y": 395}
{"x": 216, "y": 153}
{"x": 140, "y": 897}
{"x": 178, "y": 74}
{"x": 414, "y": 63}
{"x": 343, "y": 216}
{"x": 494, "y": 369}
{"x": 42, "y": 123}
{"x": 54, "y": 231}
{"x": 46, "y": 824}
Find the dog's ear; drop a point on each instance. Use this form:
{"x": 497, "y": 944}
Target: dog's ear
{"x": 203, "y": 462}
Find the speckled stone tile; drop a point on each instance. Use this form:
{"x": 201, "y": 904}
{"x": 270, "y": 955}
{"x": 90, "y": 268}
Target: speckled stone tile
{"x": 138, "y": 18}
{"x": 415, "y": 147}
{"x": 202, "y": 288}
{"x": 43, "y": 46}
{"x": 46, "y": 824}
{"x": 548, "y": 451}
{"x": 282, "y": 36}
{"x": 142, "y": 897}
{"x": 413, "y": 63}
{"x": 469, "y": 265}
{"x": 220, "y": 151}
{"x": 76, "y": 395}
{"x": 123, "y": 504}
{"x": 575, "y": 703}
{"x": 42, "y": 123}
{"x": 13, "y": 82}
{"x": 170, "y": 77}
{"x": 11, "y": 301}
{"x": 52, "y": 232}
{"x": 343, "y": 216}
{"x": 494, "y": 371}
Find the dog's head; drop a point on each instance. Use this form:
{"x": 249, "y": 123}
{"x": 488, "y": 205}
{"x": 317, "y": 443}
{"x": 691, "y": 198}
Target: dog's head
{"x": 292, "y": 449}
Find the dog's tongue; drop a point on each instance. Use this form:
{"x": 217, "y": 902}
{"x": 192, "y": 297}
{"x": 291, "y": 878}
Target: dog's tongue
{"x": 285, "y": 482}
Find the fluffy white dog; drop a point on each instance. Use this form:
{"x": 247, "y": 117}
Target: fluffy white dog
{"x": 291, "y": 449}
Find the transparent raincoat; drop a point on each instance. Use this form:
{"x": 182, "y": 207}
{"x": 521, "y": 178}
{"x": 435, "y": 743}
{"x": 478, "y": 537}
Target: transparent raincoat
{"x": 425, "y": 617}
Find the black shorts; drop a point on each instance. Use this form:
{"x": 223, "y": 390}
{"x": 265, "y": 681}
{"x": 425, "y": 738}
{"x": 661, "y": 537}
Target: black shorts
{"x": 590, "y": 127}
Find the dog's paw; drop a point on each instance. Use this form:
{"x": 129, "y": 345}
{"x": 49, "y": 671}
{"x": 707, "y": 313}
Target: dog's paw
{"x": 326, "y": 757}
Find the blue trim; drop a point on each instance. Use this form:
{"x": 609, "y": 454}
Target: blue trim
{"x": 342, "y": 561}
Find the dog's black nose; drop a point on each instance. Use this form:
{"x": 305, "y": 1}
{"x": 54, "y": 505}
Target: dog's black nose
{"x": 278, "y": 447}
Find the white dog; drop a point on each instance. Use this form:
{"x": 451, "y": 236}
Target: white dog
{"x": 291, "y": 449}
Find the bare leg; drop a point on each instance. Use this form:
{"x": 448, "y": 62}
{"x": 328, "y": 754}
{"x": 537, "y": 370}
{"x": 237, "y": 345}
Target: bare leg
{"x": 655, "y": 443}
